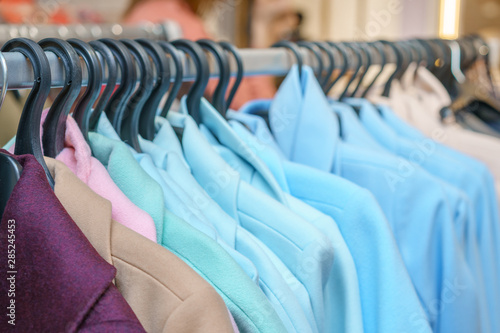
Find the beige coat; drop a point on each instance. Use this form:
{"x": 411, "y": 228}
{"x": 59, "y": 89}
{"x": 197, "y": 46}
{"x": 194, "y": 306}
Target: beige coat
{"x": 164, "y": 292}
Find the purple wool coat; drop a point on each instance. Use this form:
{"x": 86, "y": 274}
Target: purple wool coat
{"x": 51, "y": 278}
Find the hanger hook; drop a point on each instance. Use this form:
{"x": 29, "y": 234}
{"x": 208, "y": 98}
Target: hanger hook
{"x": 383, "y": 61}
{"x": 240, "y": 70}
{"x": 197, "y": 90}
{"x": 319, "y": 58}
{"x": 218, "y": 98}
{"x": 331, "y": 63}
{"x": 179, "y": 75}
{"x": 28, "y": 132}
{"x": 399, "y": 65}
{"x": 365, "y": 48}
{"x": 132, "y": 113}
{"x": 150, "y": 110}
{"x": 296, "y": 52}
{"x": 115, "y": 108}
{"x": 83, "y": 109}
{"x": 54, "y": 127}
{"x": 430, "y": 57}
{"x": 345, "y": 64}
{"x": 359, "y": 63}
{"x": 107, "y": 59}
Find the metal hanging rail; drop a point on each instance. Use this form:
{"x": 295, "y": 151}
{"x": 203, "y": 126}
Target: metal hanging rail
{"x": 273, "y": 61}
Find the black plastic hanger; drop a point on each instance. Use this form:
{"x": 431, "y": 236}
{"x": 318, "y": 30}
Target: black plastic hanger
{"x": 112, "y": 75}
{"x": 443, "y": 71}
{"x": 296, "y": 52}
{"x": 379, "y": 47}
{"x": 439, "y": 57}
{"x": 179, "y": 75}
{"x": 472, "y": 50}
{"x": 345, "y": 64}
{"x": 131, "y": 117}
{"x": 420, "y": 55}
{"x": 430, "y": 56}
{"x": 325, "y": 48}
{"x": 319, "y": 58}
{"x": 240, "y": 71}
{"x": 195, "y": 94}
{"x": 83, "y": 109}
{"x": 407, "y": 55}
{"x": 10, "y": 169}
{"x": 119, "y": 100}
{"x": 161, "y": 87}
{"x": 54, "y": 127}
{"x": 365, "y": 48}
{"x": 219, "y": 96}
{"x": 420, "y": 51}
{"x": 359, "y": 63}
{"x": 399, "y": 67}
{"x": 28, "y": 131}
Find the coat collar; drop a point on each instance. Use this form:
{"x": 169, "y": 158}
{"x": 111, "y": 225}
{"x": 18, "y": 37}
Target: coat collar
{"x": 83, "y": 204}
{"x": 303, "y": 123}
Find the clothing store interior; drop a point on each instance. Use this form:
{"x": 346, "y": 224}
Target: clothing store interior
{"x": 267, "y": 166}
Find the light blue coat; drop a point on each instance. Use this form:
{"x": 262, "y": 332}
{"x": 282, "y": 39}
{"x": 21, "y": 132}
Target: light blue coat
{"x": 342, "y": 309}
{"x": 262, "y": 215}
{"x": 479, "y": 230}
{"x": 307, "y": 132}
{"x": 248, "y": 305}
{"x": 367, "y": 233}
{"x": 167, "y": 155}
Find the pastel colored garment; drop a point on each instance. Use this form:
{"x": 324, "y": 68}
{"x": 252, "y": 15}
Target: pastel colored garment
{"x": 365, "y": 229}
{"x": 263, "y": 216}
{"x": 248, "y": 305}
{"x": 424, "y": 99}
{"x": 270, "y": 279}
{"x": 56, "y": 282}
{"x": 167, "y": 155}
{"x": 424, "y": 92}
{"x": 254, "y": 171}
{"x": 414, "y": 203}
{"x": 177, "y": 201}
{"x": 78, "y": 157}
{"x": 164, "y": 292}
{"x": 463, "y": 213}
{"x": 475, "y": 167}
{"x": 487, "y": 224}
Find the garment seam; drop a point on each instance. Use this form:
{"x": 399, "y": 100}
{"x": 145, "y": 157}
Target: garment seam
{"x": 150, "y": 275}
{"x": 272, "y": 292}
{"x": 273, "y": 229}
{"x": 212, "y": 284}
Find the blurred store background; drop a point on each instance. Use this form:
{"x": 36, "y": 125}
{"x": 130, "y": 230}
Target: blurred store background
{"x": 259, "y": 22}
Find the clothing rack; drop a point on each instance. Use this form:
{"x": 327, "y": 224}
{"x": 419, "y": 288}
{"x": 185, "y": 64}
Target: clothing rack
{"x": 270, "y": 61}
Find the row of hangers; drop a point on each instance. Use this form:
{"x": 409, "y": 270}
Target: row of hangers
{"x": 132, "y": 108}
